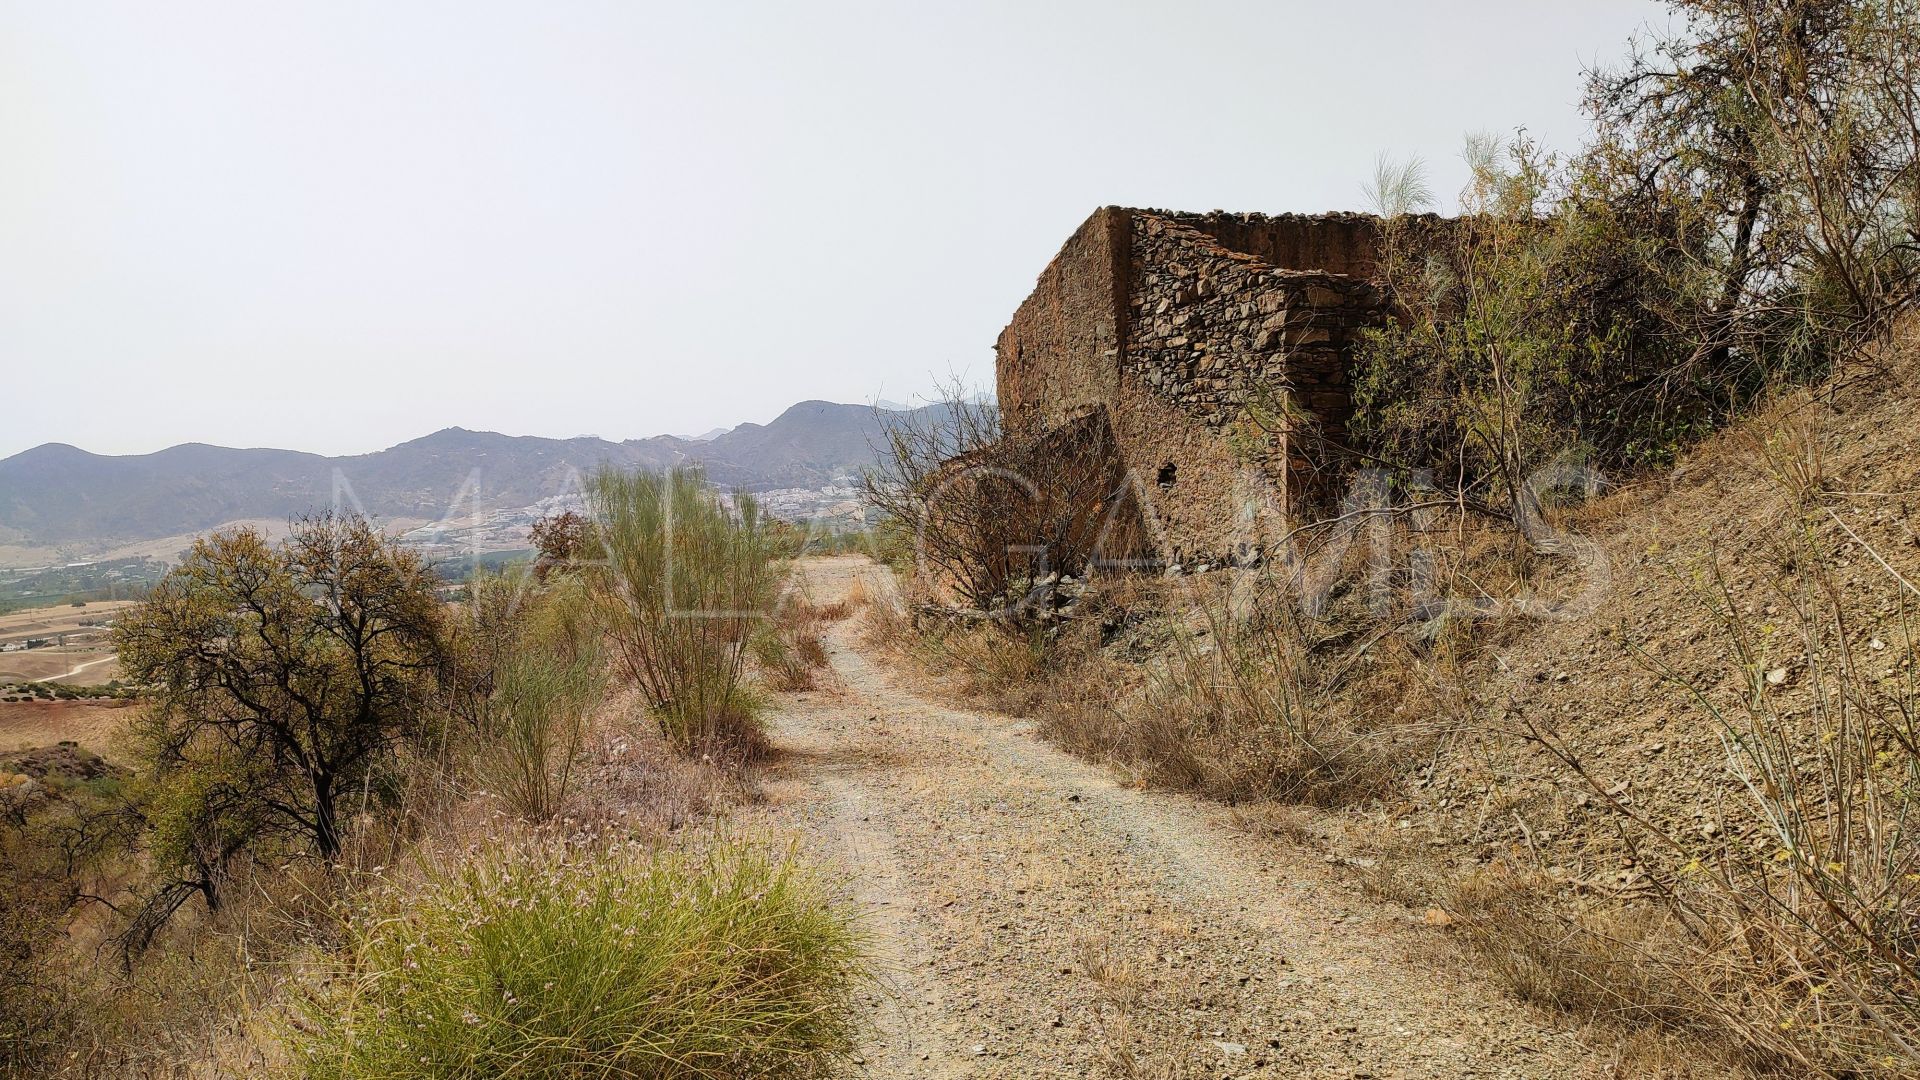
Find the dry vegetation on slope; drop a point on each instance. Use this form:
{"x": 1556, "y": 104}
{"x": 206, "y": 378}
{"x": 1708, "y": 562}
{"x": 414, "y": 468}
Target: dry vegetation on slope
{"x": 1705, "y": 789}
{"x": 1684, "y": 815}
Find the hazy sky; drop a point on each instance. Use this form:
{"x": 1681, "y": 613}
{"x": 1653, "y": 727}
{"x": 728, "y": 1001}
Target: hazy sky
{"x": 335, "y": 226}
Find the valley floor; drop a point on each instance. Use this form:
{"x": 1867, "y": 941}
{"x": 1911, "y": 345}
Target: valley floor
{"x": 1036, "y": 918}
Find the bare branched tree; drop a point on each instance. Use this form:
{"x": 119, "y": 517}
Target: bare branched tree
{"x": 991, "y": 519}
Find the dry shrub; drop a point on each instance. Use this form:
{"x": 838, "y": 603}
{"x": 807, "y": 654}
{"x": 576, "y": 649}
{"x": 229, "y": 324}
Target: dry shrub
{"x": 791, "y": 651}
{"x": 1800, "y": 943}
{"x": 986, "y": 514}
{"x": 1675, "y": 1005}
{"x": 549, "y": 674}
{"x": 1823, "y": 926}
{"x": 1235, "y": 709}
{"x": 681, "y": 583}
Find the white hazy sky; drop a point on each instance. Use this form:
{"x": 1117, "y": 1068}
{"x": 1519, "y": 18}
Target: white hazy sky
{"x": 336, "y": 226}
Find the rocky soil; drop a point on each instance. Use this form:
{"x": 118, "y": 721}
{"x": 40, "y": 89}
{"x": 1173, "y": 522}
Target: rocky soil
{"x": 1036, "y": 918}
{"x": 1616, "y": 689}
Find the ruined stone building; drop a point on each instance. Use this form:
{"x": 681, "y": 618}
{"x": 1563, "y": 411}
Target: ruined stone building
{"x": 1217, "y": 349}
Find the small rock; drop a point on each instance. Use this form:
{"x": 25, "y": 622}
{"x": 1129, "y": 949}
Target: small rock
{"x": 1436, "y": 917}
{"x": 1777, "y": 677}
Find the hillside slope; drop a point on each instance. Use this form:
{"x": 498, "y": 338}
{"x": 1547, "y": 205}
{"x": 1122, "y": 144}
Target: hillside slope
{"x": 1763, "y": 535}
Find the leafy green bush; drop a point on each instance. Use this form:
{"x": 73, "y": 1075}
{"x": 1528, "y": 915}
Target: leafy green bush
{"x": 558, "y": 963}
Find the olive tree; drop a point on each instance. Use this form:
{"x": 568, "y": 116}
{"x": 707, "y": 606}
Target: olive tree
{"x": 279, "y": 678}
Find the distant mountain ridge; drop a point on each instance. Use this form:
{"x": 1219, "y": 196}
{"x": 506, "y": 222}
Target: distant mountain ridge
{"x": 55, "y": 493}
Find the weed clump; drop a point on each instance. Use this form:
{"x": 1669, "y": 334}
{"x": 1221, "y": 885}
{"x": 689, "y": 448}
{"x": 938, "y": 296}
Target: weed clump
{"x": 552, "y": 962}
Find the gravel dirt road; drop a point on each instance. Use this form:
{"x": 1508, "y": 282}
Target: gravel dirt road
{"x": 1035, "y": 918}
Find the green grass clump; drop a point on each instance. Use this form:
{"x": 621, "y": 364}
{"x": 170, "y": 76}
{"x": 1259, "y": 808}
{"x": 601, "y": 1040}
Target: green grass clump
{"x": 556, "y": 963}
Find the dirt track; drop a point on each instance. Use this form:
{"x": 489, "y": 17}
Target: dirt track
{"x": 1039, "y": 920}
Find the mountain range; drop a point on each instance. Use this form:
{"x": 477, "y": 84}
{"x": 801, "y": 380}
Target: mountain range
{"x": 56, "y": 494}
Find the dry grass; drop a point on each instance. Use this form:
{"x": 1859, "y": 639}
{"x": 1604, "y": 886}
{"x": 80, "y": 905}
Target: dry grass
{"x": 791, "y": 653}
{"x": 1632, "y": 971}
{"x": 1588, "y": 963}
{"x": 1119, "y": 1047}
{"x": 556, "y": 960}
{"x": 1231, "y": 705}
{"x": 632, "y": 784}
{"x": 204, "y": 998}
{"x": 1784, "y": 939}
{"x": 856, "y": 596}
{"x": 997, "y": 664}
{"x": 1117, "y": 977}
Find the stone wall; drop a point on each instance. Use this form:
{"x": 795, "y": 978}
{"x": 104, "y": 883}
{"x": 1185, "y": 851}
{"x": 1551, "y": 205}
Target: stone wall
{"x": 1257, "y": 355}
{"x": 1333, "y": 243}
{"x": 1059, "y": 355}
{"x": 1225, "y": 376}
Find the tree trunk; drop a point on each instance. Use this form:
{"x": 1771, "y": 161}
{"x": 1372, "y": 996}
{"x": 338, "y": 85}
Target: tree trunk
{"x": 326, "y": 823}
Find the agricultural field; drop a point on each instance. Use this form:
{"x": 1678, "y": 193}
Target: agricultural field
{"x": 94, "y": 725}
{"x": 65, "y": 644}
{"x": 24, "y": 589}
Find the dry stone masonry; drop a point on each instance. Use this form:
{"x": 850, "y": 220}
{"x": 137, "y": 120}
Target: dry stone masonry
{"x": 1218, "y": 348}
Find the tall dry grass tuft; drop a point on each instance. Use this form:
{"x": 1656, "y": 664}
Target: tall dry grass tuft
{"x": 549, "y": 676}
{"x": 792, "y": 652}
{"x": 682, "y": 583}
